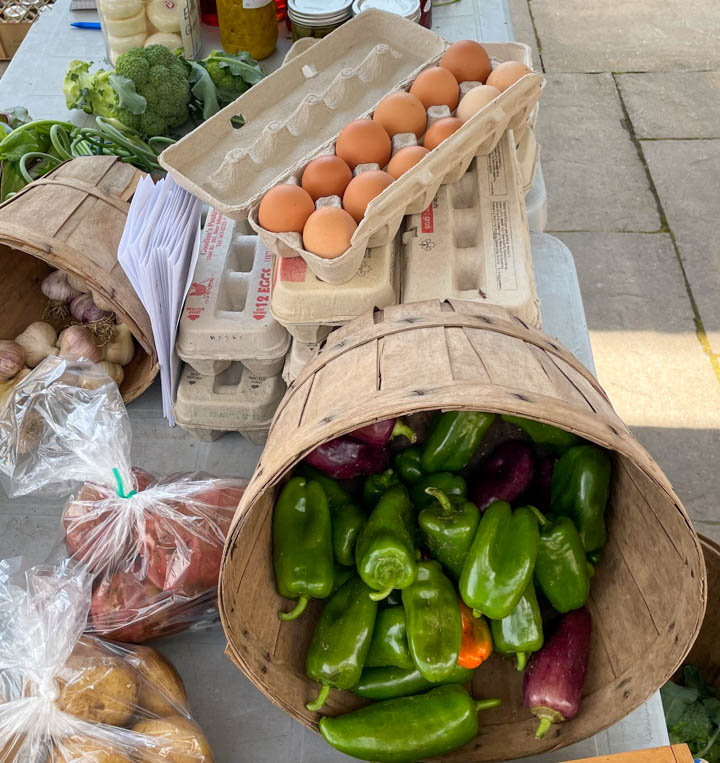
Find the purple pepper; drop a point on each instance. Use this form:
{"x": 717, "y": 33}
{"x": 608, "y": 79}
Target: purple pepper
{"x": 553, "y": 681}
{"x": 505, "y": 475}
{"x": 381, "y": 432}
{"x": 538, "y": 493}
{"x": 344, "y": 459}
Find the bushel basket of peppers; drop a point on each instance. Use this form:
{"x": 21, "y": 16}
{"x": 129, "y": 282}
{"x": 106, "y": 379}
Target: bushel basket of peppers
{"x": 432, "y": 542}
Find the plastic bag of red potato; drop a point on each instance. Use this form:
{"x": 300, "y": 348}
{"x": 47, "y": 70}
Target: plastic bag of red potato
{"x": 153, "y": 545}
{"x": 68, "y": 697}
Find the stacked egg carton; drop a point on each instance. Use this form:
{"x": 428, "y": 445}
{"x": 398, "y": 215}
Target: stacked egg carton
{"x": 233, "y": 348}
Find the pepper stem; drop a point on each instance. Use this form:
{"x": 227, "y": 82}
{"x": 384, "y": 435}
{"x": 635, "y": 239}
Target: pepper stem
{"x": 477, "y": 613}
{"x": 541, "y": 518}
{"x": 401, "y": 428}
{"x": 380, "y": 595}
{"x": 314, "y": 706}
{"x": 442, "y": 499}
{"x": 487, "y": 704}
{"x": 543, "y": 728}
{"x": 521, "y": 660}
{"x": 299, "y": 609}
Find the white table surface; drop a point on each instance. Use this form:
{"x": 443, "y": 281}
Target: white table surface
{"x": 243, "y": 726}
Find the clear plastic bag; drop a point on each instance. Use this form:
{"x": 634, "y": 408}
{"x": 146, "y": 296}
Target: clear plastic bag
{"x": 68, "y": 697}
{"x": 153, "y": 546}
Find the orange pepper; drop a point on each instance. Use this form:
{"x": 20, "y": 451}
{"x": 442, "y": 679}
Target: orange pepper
{"x": 476, "y": 645}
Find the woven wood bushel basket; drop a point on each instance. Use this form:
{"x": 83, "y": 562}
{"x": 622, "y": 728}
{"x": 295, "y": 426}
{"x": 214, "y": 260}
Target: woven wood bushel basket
{"x": 648, "y": 595}
{"x": 72, "y": 219}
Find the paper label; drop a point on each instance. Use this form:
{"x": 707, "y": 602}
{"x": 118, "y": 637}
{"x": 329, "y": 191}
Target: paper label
{"x": 255, "y": 3}
{"x": 427, "y": 219}
{"x": 292, "y": 269}
{"x": 505, "y": 273}
{"x": 213, "y": 239}
{"x": 189, "y": 26}
{"x": 496, "y": 172}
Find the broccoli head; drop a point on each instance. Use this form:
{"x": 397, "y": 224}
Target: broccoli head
{"x": 92, "y": 93}
{"x": 232, "y": 74}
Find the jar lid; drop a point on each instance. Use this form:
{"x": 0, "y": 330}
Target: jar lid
{"x": 409, "y": 9}
{"x": 319, "y": 12}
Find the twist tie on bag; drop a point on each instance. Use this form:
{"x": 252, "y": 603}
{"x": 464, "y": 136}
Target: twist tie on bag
{"x": 120, "y": 487}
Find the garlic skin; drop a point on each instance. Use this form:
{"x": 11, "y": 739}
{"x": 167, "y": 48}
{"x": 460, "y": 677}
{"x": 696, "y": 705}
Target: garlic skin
{"x": 77, "y": 283}
{"x": 121, "y": 349}
{"x": 83, "y": 309}
{"x": 113, "y": 370}
{"x": 38, "y": 341}
{"x": 101, "y": 302}
{"x": 78, "y": 342}
{"x": 12, "y": 359}
{"x": 57, "y": 288}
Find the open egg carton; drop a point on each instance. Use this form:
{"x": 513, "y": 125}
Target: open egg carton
{"x": 232, "y": 401}
{"x": 472, "y": 242}
{"x": 227, "y": 315}
{"x": 296, "y": 113}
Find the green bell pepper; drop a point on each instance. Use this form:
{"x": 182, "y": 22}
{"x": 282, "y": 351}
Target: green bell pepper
{"x": 341, "y": 575}
{"x": 390, "y": 682}
{"x": 407, "y": 465}
{"x": 544, "y": 434}
{"x": 432, "y": 617}
{"x": 377, "y": 484}
{"x": 389, "y": 644}
{"x": 347, "y": 519}
{"x": 449, "y": 526}
{"x": 561, "y": 567}
{"x": 385, "y": 553}
{"x": 408, "y": 729}
{"x": 580, "y": 488}
{"x": 501, "y": 560}
{"x": 302, "y": 544}
{"x": 521, "y": 632}
{"x": 450, "y": 484}
{"x": 454, "y": 438}
{"x": 341, "y": 641}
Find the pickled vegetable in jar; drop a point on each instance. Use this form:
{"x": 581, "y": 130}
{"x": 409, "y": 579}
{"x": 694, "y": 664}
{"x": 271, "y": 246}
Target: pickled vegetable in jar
{"x": 248, "y": 25}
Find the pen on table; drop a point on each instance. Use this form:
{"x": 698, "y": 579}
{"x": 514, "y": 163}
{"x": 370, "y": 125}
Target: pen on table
{"x": 86, "y": 24}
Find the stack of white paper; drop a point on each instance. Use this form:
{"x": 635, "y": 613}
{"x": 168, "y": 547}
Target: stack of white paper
{"x": 158, "y": 251}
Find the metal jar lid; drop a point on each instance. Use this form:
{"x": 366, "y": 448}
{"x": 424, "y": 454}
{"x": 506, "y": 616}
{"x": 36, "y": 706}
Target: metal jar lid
{"x": 319, "y": 13}
{"x": 409, "y": 9}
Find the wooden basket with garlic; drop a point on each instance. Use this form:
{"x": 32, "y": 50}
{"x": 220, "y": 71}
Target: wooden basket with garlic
{"x": 62, "y": 288}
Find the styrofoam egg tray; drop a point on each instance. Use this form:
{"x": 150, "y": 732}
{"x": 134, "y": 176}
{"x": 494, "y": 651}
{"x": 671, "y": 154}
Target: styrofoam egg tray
{"x": 307, "y": 307}
{"x": 232, "y": 401}
{"x": 473, "y": 242}
{"x": 296, "y": 113}
{"x": 227, "y": 312}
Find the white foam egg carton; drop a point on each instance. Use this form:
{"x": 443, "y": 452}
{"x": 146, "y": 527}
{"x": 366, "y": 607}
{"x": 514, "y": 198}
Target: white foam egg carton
{"x": 232, "y": 401}
{"x": 296, "y": 113}
{"x": 227, "y": 312}
{"x": 472, "y": 242}
{"x": 301, "y": 353}
{"x": 309, "y": 307}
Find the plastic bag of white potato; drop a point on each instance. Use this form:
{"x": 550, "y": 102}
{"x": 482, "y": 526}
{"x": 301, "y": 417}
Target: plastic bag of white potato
{"x": 153, "y": 545}
{"x": 68, "y": 697}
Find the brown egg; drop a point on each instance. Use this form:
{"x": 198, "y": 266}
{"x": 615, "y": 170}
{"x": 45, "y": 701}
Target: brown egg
{"x": 326, "y": 176}
{"x": 285, "y": 209}
{"x": 364, "y": 142}
{"x": 363, "y": 189}
{"x": 467, "y": 60}
{"x": 404, "y": 159}
{"x": 436, "y": 87}
{"x": 440, "y": 130}
{"x": 401, "y": 112}
{"x": 506, "y": 74}
{"x": 474, "y": 100}
{"x": 328, "y": 231}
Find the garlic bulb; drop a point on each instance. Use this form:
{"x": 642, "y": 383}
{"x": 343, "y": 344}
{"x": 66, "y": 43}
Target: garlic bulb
{"x": 38, "y": 341}
{"x": 101, "y": 302}
{"x": 57, "y": 288}
{"x": 7, "y": 387}
{"x": 83, "y": 309}
{"x": 78, "y": 342}
{"x": 113, "y": 370}
{"x": 77, "y": 283}
{"x": 12, "y": 359}
{"x": 121, "y": 349}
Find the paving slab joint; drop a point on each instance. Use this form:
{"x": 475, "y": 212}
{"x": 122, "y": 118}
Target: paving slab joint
{"x": 538, "y": 41}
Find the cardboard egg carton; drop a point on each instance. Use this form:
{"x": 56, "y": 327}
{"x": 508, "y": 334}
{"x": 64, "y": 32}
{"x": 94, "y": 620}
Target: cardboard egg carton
{"x": 309, "y": 307}
{"x": 472, "y": 242}
{"x": 301, "y": 353}
{"x": 296, "y": 113}
{"x": 232, "y": 401}
{"x": 528, "y": 156}
{"x": 227, "y": 312}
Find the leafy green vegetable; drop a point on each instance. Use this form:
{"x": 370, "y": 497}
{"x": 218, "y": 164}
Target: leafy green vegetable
{"x": 15, "y": 116}
{"x": 204, "y": 95}
{"x": 232, "y": 74}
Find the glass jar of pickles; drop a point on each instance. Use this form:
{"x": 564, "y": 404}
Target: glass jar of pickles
{"x": 317, "y": 18}
{"x": 248, "y": 25}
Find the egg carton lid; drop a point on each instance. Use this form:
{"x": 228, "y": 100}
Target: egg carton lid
{"x": 300, "y": 297}
{"x": 227, "y": 311}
